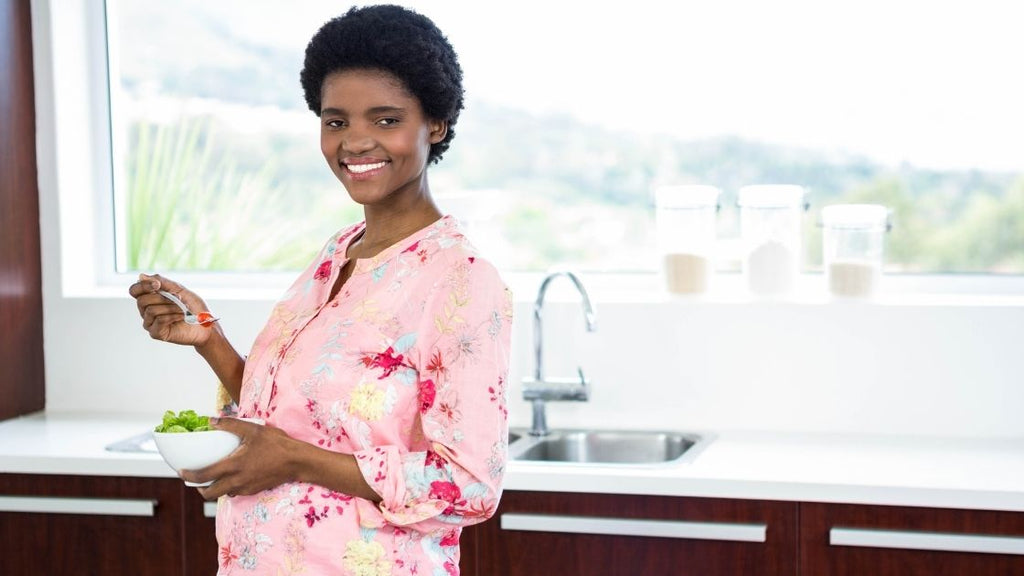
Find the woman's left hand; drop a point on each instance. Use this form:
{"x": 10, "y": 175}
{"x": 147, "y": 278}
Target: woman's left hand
{"x": 264, "y": 459}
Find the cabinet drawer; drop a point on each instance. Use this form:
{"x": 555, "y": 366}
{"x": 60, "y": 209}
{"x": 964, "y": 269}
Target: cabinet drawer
{"x": 849, "y": 539}
{"x": 90, "y": 525}
{"x": 720, "y": 531}
{"x": 558, "y": 533}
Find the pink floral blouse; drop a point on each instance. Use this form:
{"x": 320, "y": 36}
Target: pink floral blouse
{"x": 405, "y": 368}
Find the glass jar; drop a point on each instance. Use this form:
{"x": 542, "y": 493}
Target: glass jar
{"x": 770, "y": 234}
{"x": 853, "y": 239}
{"x": 686, "y": 230}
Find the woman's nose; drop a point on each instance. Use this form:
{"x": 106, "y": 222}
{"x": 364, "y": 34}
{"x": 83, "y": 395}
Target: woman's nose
{"x": 357, "y": 142}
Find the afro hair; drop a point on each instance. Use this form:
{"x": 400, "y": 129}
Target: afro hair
{"x": 395, "y": 40}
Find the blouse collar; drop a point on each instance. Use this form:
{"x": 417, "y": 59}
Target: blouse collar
{"x": 446, "y": 225}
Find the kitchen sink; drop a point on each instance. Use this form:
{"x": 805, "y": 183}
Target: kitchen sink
{"x": 139, "y": 443}
{"x": 625, "y": 447}
{"x": 604, "y": 447}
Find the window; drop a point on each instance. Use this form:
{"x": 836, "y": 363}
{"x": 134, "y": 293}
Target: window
{"x": 573, "y": 119}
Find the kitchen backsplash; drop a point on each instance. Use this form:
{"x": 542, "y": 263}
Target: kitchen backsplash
{"x": 907, "y": 369}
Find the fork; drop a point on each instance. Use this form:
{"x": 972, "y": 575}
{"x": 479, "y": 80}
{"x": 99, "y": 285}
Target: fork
{"x": 204, "y": 319}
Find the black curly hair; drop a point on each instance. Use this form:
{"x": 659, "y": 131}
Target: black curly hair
{"x": 398, "y": 41}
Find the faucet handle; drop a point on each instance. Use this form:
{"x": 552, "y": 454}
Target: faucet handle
{"x": 583, "y": 379}
{"x": 584, "y": 385}
{"x": 557, "y": 388}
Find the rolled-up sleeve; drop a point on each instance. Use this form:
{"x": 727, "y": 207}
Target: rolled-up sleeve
{"x": 461, "y": 360}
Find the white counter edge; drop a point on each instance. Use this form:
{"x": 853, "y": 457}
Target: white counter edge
{"x": 599, "y": 480}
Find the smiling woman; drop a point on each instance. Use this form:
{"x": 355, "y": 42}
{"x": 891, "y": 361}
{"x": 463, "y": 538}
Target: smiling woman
{"x": 374, "y": 373}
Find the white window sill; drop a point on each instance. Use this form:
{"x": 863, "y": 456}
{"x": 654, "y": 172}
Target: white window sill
{"x": 637, "y": 288}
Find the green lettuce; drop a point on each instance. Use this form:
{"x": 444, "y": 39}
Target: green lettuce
{"x": 184, "y": 421}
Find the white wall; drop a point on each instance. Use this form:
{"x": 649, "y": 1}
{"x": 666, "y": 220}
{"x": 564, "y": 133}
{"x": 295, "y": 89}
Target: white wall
{"x": 934, "y": 370}
{"x": 908, "y": 369}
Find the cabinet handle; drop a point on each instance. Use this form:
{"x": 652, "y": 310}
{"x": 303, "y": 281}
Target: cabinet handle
{"x": 947, "y": 542}
{"x": 210, "y": 509}
{"x": 61, "y": 505}
{"x": 631, "y": 527}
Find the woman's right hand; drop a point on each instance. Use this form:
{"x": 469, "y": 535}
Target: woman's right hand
{"x": 162, "y": 318}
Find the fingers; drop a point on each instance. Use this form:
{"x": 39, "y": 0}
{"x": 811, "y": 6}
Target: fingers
{"x": 145, "y": 292}
{"x": 152, "y": 284}
{"x": 159, "y": 320}
{"x": 225, "y": 476}
{"x": 145, "y": 285}
{"x": 254, "y": 465}
{"x": 223, "y": 472}
{"x": 239, "y": 428}
{"x": 210, "y": 492}
{"x": 159, "y": 315}
{"x": 163, "y": 283}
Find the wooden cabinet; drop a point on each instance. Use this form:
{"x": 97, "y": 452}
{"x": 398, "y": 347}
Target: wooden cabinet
{"x": 851, "y": 540}
{"x": 109, "y": 526}
{"x": 200, "y": 538}
{"x": 468, "y": 549}
{"x": 594, "y": 534}
{"x": 88, "y": 526}
{"x": 114, "y": 526}
{"x": 21, "y": 298}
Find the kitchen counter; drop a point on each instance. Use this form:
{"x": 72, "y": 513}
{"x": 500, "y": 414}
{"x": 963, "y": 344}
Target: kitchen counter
{"x": 969, "y": 473}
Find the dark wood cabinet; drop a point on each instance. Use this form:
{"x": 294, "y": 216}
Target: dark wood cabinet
{"x": 87, "y": 526}
{"x": 113, "y": 526}
{"x": 200, "y": 537}
{"x": 21, "y": 298}
{"x": 594, "y": 534}
{"x": 109, "y": 526}
{"x": 468, "y": 549}
{"x": 852, "y": 540}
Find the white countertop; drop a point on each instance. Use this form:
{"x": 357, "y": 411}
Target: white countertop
{"x": 972, "y": 473}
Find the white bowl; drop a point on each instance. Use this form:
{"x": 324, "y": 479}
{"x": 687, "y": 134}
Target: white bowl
{"x": 194, "y": 450}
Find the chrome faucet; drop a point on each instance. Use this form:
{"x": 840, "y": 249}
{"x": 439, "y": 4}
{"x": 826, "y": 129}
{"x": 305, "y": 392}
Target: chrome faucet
{"x": 540, "y": 389}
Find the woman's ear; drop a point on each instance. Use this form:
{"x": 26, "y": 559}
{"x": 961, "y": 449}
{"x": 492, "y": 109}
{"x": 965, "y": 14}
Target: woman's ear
{"x": 438, "y": 130}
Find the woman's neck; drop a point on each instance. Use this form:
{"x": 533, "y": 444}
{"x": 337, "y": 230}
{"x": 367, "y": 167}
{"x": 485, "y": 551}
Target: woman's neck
{"x": 385, "y": 227}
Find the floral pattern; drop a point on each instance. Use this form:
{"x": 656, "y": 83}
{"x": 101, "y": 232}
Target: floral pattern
{"x": 405, "y": 369}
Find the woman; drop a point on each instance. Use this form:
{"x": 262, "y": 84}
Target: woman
{"x": 380, "y": 374}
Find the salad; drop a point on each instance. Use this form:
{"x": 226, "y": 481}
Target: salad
{"x": 184, "y": 421}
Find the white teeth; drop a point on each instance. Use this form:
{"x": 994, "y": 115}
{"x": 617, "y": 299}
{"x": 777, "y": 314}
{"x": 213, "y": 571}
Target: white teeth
{"x": 360, "y": 168}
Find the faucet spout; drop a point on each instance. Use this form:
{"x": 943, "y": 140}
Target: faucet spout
{"x": 589, "y": 316}
{"x": 538, "y": 389}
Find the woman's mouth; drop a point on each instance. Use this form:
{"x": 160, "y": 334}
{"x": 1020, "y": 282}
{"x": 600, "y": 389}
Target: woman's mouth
{"x": 365, "y": 170}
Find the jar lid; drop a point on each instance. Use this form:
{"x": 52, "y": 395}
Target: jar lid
{"x": 771, "y": 196}
{"x": 855, "y": 216}
{"x": 686, "y": 196}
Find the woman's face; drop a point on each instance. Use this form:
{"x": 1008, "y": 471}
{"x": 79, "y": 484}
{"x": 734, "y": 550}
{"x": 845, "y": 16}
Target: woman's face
{"x": 375, "y": 136}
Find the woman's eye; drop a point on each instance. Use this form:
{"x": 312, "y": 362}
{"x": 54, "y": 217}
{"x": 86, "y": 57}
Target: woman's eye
{"x": 334, "y": 123}
{"x": 387, "y": 121}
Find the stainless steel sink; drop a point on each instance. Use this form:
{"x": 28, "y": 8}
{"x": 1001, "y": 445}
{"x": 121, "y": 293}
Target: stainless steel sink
{"x": 603, "y": 447}
{"x": 143, "y": 443}
{"x": 625, "y": 447}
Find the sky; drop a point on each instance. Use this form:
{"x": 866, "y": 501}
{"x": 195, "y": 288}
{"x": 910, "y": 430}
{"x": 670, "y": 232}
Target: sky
{"x": 936, "y": 84}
